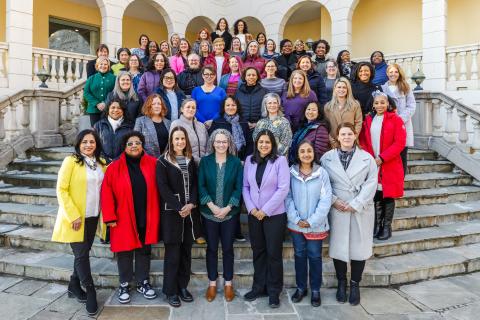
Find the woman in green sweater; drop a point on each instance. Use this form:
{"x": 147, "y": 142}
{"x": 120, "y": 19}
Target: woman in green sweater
{"x": 97, "y": 88}
{"x": 220, "y": 180}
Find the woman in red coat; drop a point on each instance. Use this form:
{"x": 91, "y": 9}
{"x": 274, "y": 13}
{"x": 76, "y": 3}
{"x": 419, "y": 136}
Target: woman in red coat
{"x": 130, "y": 206}
{"x": 218, "y": 59}
{"x": 384, "y": 137}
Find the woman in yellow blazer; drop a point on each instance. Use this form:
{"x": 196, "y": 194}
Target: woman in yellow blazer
{"x": 78, "y": 193}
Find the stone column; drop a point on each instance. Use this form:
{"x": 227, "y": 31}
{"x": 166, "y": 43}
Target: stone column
{"x": 19, "y": 37}
{"x": 112, "y": 15}
{"x": 341, "y": 13}
{"x": 434, "y": 61}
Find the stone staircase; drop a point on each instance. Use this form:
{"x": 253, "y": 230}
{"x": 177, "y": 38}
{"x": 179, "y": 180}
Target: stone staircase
{"x": 437, "y": 229}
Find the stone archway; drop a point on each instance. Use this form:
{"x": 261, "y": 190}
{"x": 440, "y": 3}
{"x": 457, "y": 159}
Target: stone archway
{"x": 255, "y": 26}
{"x": 195, "y": 25}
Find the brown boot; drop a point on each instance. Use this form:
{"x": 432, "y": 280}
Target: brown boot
{"x": 229, "y": 293}
{"x": 211, "y": 293}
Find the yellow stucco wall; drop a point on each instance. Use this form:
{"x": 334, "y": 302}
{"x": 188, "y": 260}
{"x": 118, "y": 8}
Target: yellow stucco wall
{"x": 3, "y": 19}
{"x": 461, "y": 22}
{"x": 134, "y": 27}
{"x": 390, "y": 26}
{"x": 315, "y": 29}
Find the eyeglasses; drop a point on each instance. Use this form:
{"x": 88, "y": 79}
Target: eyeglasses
{"x": 169, "y": 78}
{"x": 132, "y": 143}
{"x": 208, "y": 74}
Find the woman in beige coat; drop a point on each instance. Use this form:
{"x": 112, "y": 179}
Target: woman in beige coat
{"x": 353, "y": 175}
{"x": 343, "y": 108}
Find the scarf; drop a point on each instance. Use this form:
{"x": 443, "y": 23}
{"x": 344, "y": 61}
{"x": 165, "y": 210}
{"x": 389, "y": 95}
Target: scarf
{"x": 115, "y": 123}
{"x": 90, "y": 162}
{"x": 345, "y": 157}
{"x": 237, "y": 132}
{"x": 219, "y": 33}
{"x": 298, "y": 137}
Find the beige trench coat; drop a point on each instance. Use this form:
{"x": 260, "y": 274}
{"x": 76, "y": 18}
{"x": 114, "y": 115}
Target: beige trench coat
{"x": 351, "y": 234}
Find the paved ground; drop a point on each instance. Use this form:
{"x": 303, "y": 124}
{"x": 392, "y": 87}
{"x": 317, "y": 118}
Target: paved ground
{"x": 455, "y": 298}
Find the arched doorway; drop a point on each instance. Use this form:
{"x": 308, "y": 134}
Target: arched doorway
{"x": 195, "y": 25}
{"x": 254, "y": 26}
{"x": 144, "y": 17}
{"x": 307, "y": 20}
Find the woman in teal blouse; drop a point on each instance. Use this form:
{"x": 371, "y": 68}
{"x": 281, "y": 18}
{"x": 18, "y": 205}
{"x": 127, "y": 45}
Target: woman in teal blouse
{"x": 97, "y": 88}
{"x": 220, "y": 180}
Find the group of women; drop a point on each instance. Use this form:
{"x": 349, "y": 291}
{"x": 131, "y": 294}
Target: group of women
{"x": 175, "y": 154}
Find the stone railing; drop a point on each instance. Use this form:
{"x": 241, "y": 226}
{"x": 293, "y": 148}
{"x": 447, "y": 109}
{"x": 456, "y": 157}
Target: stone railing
{"x": 410, "y": 62}
{"x": 66, "y": 68}
{"x": 450, "y": 128}
{"x": 38, "y": 118}
{"x": 3, "y": 64}
{"x": 462, "y": 70}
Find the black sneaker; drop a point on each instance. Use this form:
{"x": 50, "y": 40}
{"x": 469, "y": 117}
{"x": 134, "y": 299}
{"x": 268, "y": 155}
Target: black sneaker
{"x": 274, "y": 302}
{"x": 124, "y": 293}
{"x": 146, "y": 289}
{"x": 240, "y": 238}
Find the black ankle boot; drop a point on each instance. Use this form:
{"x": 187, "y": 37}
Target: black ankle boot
{"x": 75, "y": 290}
{"x": 354, "y": 297}
{"x": 387, "y": 226}
{"x": 378, "y": 226}
{"x": 342, "y": 291}
{"x": 91, "y": 305}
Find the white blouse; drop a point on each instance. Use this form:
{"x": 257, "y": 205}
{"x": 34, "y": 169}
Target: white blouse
{"x": 94, "y": 183}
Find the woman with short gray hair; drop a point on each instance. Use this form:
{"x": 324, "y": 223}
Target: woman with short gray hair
{"x": 274, "y": 120}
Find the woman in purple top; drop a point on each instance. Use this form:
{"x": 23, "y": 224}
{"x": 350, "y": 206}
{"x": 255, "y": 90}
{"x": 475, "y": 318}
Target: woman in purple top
{"x": 150, "y": 80}
{"x": 266, "y": 183}
{"x": 297, "y": 98}
{"x": 209, "y": 97}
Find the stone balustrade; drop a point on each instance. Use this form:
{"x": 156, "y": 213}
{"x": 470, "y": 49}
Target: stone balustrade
{"x": 448, "y": 127}
{"x": 40, "y": 119}
{"x": 410, "y": 62}
{"x": 462, "y": 70}
{"x": 66, "y": 68}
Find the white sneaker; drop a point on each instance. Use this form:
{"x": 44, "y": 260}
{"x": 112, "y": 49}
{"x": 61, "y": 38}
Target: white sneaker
{"x": 146, "y": 289}
{"x": 124, "y": 293}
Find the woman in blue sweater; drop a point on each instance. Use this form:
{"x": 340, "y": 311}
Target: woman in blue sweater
{"x": 378, "y": 60}
{"x": 209, "y": 97}
{"x": 308, "y": 203}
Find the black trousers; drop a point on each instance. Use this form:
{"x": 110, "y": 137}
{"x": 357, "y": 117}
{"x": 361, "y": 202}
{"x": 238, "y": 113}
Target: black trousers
{"x": 142, "y": 257}
{"x": 94, "y": 118}
{"x": 215, "y": 232}
{"x": 404, "y": 155}
{"x": 266, "y": 239}
{"x": 356, "y": 269}
{"x": 81, "y": 252}
{"x": 177, "y": 263}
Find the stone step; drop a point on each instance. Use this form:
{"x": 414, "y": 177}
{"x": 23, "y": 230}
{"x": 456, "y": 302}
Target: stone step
{"x": 25, "y": 178}
{"x": 56, "y": 153}
{"x": 427, "y": 166}
{"x": 36, "y": 166}
{"x": 417, "y": 154}
{"x": 407, "y": 268}
{"x": 435, "y": 180}
{"x": 448, "y": 235}
{"x": 27, "y": 195}
{"x": 451, "y": 194}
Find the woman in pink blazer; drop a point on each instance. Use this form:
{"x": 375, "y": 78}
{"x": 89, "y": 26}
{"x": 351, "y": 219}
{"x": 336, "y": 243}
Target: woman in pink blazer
{"x": 178, "y": 62}
{"x": 266, "y": 183}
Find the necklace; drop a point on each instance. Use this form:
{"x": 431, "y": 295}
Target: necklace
{"x": 91, "y": 163}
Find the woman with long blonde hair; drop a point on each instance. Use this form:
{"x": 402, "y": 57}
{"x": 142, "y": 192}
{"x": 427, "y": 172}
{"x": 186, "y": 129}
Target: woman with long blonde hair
{"x": 399, "y": 90}
{"x": 297, "y": 98}
{"x": 343, "y": 108}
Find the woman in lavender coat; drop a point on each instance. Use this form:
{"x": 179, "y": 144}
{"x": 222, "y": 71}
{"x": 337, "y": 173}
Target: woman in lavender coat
{"x": 266, "y": 182}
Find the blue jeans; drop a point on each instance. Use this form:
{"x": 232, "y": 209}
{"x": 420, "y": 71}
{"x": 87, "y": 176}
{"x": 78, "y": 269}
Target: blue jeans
{"x": 310, "y": 250}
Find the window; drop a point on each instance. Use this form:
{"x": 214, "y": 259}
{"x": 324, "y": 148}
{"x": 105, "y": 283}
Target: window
{"x": 72, "y": 36}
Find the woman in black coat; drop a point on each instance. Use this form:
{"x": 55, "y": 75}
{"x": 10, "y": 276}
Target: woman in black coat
{"x": 250, "y": 95}
{"x": 363, "y": 87}
{"x": 287, "y": 60}
{"x": 221, "y": 31}
{"x": 171, "y": 93}
{"x": 124, "y": 91}
{"x": 112, "y": 127}
{"x": 315, "y": 80}
{"x": 177, "y": 178}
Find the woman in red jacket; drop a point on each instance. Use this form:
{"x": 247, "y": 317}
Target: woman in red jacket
{"x": 384, "y": 137}
{"x": 218, "y": 59}
{"x": 130, "y": 207}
